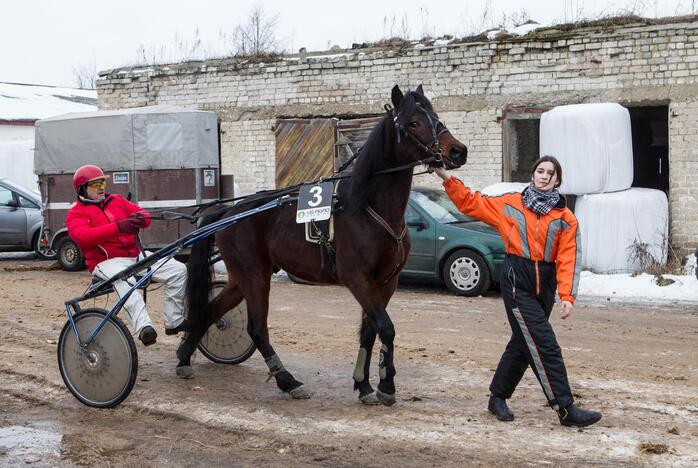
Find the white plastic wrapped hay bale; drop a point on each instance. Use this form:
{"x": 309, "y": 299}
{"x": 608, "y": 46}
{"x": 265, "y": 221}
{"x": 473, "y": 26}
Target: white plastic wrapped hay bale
{"x": 593, "y": 143}
{"x": 613, "y": 225}
{"x": 500, "y": 188}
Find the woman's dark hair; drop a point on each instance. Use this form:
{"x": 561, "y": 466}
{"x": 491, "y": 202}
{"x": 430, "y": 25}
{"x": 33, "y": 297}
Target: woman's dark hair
{"x": 556, "y": 165}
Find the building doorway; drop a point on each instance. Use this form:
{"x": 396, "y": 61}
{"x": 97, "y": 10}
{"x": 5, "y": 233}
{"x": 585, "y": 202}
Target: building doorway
{"x": 650, "y": 130}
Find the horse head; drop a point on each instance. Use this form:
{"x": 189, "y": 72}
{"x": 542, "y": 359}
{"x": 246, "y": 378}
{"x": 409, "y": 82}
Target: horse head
{"x": 421, "y": 135}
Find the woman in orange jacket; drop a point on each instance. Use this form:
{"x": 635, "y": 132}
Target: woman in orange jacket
{"x": 541, "y": 237}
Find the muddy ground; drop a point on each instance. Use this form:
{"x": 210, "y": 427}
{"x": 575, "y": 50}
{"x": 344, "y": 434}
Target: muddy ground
{"x": 635, "y": 363}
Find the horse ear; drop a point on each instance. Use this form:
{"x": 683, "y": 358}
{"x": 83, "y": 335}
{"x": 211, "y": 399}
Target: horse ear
{"x": 419, "y": 90}
{"x": 396, "y": 96}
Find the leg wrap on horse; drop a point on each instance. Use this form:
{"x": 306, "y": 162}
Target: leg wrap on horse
{"x": 382, "y": 363}
{"x": 360, "y": 365}
{"x": 275, "y": 366}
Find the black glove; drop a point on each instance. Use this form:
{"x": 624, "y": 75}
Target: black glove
{"x": 128, "y": 225}
{"x": 138, "y": 215}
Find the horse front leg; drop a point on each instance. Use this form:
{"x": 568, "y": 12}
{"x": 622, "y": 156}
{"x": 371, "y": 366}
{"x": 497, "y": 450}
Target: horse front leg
{"x": 373, "y": 300}
{"x": 367, "y": 338}
{"x": 257, "y": 311}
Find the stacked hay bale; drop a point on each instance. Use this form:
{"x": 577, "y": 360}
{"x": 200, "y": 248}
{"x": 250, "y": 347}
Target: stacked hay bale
{"x": 622, "y": 228}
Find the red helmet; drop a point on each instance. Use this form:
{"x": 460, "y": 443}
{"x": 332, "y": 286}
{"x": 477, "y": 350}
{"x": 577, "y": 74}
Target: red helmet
{"x": 87, "y": 174}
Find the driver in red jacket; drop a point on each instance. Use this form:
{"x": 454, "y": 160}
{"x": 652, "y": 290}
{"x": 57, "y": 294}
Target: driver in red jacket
{"x": 105, "y": 226}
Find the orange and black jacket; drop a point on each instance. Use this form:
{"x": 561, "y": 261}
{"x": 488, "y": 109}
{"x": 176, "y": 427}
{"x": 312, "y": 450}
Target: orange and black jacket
{"x": 553, "y": 237}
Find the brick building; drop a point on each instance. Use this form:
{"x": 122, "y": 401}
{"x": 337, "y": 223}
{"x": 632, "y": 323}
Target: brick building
{"x": 489, "y": 93}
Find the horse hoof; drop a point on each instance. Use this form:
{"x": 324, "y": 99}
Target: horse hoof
{"x": 185, "y": 372}
{"x": 299, "y": 393}
{"x": 386, "y": 399}
{"x": 369, "y": 399}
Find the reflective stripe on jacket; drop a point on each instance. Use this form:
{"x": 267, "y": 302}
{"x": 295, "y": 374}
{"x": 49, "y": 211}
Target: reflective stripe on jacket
{"x": 553, "y": 237}
{"x": 93, "y": 228}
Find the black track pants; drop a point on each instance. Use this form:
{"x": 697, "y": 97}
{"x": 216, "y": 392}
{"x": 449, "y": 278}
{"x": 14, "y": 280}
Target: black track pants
{"x": 533, "y": 341}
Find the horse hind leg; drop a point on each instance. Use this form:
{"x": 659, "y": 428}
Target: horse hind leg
{"x": 228, "y": 298}
{"x": 367, "y": 338}
{"x": 257, "y": 311}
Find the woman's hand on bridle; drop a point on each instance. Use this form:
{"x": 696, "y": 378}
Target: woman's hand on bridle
{"x": 440, "y": 171}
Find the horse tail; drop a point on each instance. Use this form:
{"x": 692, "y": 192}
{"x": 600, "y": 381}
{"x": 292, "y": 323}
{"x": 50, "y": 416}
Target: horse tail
{"x": 199, "y": 281}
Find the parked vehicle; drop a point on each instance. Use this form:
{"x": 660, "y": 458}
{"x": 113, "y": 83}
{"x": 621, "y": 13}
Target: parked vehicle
{"x": 449, "y": 247}
{"x": 21, "y": 220}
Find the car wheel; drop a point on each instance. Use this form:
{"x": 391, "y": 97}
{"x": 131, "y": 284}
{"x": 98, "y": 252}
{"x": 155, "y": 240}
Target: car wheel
{"x": 70, "y": 257}
{"x": 42, "y": 251}
{"x": 466, "y": 273}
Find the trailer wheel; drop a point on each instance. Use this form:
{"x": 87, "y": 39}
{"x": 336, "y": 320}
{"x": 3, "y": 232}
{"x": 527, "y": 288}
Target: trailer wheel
{"x": 70, "y": 257}
{"x": 227, "y": 340}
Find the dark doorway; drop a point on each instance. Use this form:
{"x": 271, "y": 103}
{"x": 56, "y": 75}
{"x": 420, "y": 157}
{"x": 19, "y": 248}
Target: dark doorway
{"x": 650, "y": 132}
{"x": 521, "y": 144}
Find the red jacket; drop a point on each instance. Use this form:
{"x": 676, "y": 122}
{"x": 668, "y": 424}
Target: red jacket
{"x": 93, "y": 228}
{"x": 553, "y": 237}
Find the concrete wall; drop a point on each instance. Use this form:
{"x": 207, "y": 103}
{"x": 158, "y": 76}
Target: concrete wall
{"x": 472, "y": 85}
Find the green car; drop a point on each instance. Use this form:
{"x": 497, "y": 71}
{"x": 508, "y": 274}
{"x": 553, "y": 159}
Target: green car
{"x": 450, "y": 247}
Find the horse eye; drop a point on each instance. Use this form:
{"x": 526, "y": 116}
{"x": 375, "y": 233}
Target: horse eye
{"x": 414, "y": 124}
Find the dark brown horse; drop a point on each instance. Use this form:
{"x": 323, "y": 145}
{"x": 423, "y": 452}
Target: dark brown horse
{"x": 370, "y": 244}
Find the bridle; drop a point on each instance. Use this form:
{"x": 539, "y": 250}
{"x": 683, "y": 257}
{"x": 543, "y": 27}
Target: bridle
{"x": 434, "y": 150}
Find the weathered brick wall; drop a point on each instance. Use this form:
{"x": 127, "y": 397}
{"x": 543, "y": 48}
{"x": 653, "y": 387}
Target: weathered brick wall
{"x": 683, "y": 174}
{"x": 472, "y": 85}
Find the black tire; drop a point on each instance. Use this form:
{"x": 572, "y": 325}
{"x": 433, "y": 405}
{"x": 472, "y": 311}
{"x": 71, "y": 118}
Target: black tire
{"x": 103, "y": 375}
{"x": 42, "y": 253}
{"x": 465, "y": 273}
{"x": 227, "y": 341}
{"x": 70, "y": 257}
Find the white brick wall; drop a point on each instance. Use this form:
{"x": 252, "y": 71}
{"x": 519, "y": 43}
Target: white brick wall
{"x": 470, "y": 85}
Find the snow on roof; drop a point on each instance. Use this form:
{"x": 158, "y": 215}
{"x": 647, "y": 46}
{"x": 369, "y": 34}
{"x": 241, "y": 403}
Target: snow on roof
{"x": 31, "y": 102}
{"x": 160, "y": 109}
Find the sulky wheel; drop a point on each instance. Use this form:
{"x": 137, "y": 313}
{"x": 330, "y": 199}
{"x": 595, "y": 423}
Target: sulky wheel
{"x": 103, "y": 375}
{"x": 227, "y": 340}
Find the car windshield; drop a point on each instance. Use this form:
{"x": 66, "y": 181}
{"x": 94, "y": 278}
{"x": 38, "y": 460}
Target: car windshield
{"x": 439, "y": 206}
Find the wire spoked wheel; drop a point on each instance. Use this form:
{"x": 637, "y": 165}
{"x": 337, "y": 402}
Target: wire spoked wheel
{"x": 227, "y": 340}
{"x": 104, "y": 374}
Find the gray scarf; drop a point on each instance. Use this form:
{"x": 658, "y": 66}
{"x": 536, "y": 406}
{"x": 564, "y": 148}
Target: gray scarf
{"x": 540, "y": 202}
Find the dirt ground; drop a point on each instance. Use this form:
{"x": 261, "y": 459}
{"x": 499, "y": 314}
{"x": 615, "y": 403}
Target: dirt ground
{"x": 637, "y": 364}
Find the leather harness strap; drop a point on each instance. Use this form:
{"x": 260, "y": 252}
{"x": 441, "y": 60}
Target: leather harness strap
{"x": 398, "y": 238}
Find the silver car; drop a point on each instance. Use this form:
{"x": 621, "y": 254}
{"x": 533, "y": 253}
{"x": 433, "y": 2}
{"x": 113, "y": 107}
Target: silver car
{"x": 21, "y": 220}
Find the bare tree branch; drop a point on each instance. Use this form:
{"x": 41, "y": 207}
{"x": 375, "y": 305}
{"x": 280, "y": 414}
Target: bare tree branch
{"x": 85, "y": 75}
{"x": 258, "y": 35}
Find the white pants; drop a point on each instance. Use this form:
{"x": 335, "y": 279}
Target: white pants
{"x": 171, "y": 272}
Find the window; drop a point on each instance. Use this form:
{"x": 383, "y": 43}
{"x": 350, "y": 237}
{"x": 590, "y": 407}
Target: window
{"x": 5, "y": 196}
{"x": 26, "y": 203}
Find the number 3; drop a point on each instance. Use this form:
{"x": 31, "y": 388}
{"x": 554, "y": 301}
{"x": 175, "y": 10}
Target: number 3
{"x": 317, "y": 197}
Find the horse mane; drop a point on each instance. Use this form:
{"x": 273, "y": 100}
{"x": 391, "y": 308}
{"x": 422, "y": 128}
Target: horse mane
{"x": 378, "y": 152}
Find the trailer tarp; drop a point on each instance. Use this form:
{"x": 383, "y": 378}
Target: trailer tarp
{"x": 155, "y": 137}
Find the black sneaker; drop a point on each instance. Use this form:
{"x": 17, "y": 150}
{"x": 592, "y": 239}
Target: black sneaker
{"x": 182, "y": 327}
{"x": 578, "y": 417}
{"x": 498, "y": 407}
{"x": 148, "y": 335}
